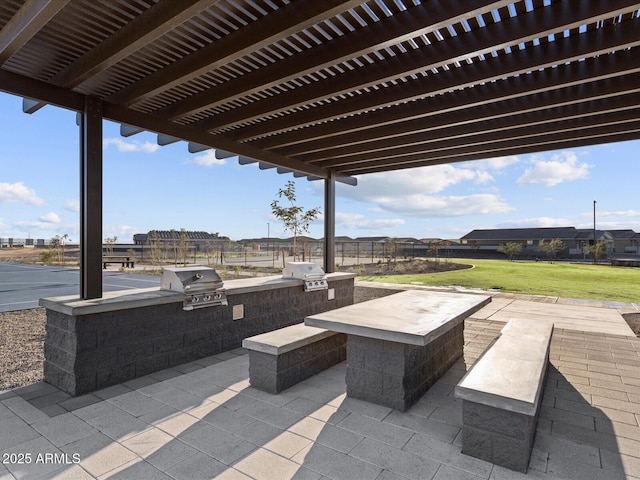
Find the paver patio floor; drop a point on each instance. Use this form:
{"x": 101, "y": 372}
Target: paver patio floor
{"x": 203, "y": 420}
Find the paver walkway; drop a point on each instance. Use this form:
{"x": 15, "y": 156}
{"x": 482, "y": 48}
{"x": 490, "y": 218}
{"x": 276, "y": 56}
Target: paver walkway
{"x": 203, "y": 420}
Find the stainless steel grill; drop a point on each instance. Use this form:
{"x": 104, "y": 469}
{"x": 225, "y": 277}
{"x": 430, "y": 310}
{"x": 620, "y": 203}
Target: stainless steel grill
{"x": 201, "y": 286}
{"x": 313, "y": 276}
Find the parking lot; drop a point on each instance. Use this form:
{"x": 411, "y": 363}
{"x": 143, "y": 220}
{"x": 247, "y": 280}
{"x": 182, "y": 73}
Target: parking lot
{"x": 21, "y": 285}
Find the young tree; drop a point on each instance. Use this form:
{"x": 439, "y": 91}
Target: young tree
{"x": 551, "y": 248}
{"x": 295, "y": 219}
{"x": 110, "y": 241}
{"x": 598, "y": 250}
{"x": 510, "y": 249}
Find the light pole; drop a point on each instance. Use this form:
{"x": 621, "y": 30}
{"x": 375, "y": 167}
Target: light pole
{"x": 594, "y": 231}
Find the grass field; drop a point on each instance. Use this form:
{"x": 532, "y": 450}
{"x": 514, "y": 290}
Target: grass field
{"x": 601, "y": 282}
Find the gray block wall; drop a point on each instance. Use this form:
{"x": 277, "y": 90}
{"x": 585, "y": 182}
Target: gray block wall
{"x": 498, "y": 436}
{"x": 395, "y": 374}
{"x": 275, "y": 373}
{"x": 89, "y": 352}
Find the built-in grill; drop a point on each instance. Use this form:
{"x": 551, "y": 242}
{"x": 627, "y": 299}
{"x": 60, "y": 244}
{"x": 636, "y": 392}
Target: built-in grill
{"x": 313, "y": 276}
{"x": 202, "y": 286}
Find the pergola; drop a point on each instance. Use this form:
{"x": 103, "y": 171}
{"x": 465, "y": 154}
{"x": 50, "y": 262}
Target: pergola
{"x": 326, "y": 89}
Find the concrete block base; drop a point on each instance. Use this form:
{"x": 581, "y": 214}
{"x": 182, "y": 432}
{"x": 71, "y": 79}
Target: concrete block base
{"x": 498, "y": 436}
{"x": 396, "y": 374}
{"x": 275, "y": 373}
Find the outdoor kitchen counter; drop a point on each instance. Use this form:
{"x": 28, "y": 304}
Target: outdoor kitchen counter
{"x": 92, "y": 344}
{"x": 145, "y": 297}
{"x": 399, "y": 345}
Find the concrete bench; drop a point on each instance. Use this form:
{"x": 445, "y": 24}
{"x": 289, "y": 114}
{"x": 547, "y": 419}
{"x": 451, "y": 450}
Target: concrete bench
{"x": 281, "y": 358}
{"x": 124, "y": 261}
{"x": 502, "y": 394}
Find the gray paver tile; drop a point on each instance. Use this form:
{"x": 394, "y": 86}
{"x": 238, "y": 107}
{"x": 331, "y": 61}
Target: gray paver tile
{"x": 35, "y": 390}
{"x": 24, "y": 410}
{"x": 75, "y": 472}
{"x": 335, "y": 465}
{"x": 564, "y": 467}
{"x": 159, "y": 448}
{"x": 566, "y": 448}
{"x": 446, "y": 472}
{"x": 279, "y": 417}
{"x": 118, "y": 425}
{"x": 396, "y": 460}
{"x": 265, "y": 465}
{"x": 64, "y": 429}
{"x": 597, "y": 438}
{"x": 135, "y": 403}
{"x": 221, "y": 417}
{"x": 79, "y": 402}
{"x": 442, "y": 431}
{"x": 217, "y": 443}
{"x": 624, "y": 464}
{"x": 612, "y": 403}
{"x": 112, "y": 391}
{"x": 381, "y": 431}
{"x": 287, "y": 444}
{"x": 178, "y": 399}
{"x": 258, "y": 432}
{"x": 135, "y": 470}
{"x": 14, "y": 432}
{"x": 319, "y": 411}
{"x": 197, "y": 467}
{"x": 446, "y": 453}
{"x": 36, "y": 459}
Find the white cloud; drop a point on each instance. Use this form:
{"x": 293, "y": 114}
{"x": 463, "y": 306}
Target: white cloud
{"x": 562, "y": 167}
{"x": 72, "y": 205}
{"x": 208, "y": 159}
{"x": 420, "y": 205}
{"x": 358, "y": 221}
{"x": 497, "y": 163}
{"x": 19, "y": 193}
{"x": 50, "y": 217}
{"x": 130, "y": 146}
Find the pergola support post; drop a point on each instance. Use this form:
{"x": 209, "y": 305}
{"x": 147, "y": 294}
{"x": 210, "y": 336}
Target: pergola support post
{"x": 330, "y": 222}
{"x": 91, "y": 199}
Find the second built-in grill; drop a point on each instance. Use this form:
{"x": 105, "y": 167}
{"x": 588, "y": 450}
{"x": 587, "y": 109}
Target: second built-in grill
{"x": 202, "y": 286}
{"x": 313, "y": 276}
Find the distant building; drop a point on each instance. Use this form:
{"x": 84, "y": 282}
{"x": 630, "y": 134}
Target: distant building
{"x": 197, "y": 240}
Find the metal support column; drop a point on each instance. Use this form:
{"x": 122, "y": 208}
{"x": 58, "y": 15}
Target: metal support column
{"x": 330, "y": 222}
{"x": 91, "y": 199}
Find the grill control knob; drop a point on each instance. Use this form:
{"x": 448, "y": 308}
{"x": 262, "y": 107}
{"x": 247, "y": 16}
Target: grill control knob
{"x": 206, "y": 298}
{"x": 195, "y": 299}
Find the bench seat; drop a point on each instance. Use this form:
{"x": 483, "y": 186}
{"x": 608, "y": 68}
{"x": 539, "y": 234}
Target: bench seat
{"x": 502, "y": 393}
{"x": 281, "y": 358}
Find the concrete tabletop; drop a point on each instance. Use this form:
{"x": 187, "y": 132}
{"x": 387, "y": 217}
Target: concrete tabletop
{"x": 414, "y": 317}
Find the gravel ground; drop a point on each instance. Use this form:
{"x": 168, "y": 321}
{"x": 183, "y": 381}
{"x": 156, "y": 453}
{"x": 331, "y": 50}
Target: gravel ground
{"x": 22, "y": 335}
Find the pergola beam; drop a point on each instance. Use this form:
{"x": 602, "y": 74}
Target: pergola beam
{"x": 402, "y": 26}
{"x": 590, "y": 44}
{"x": 541, "y": 126}
{"x": 144, "y": 29}
{"x": 608, "y": 94}
{"x": 25, "y": 24}
{"x": 276, "y": 26}
{"x": 611, "y": 74}
{"x": 549, "y": 141}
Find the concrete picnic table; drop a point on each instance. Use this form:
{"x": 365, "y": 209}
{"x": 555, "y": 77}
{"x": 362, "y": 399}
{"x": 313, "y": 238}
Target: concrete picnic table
{"x": 400, "y": 345}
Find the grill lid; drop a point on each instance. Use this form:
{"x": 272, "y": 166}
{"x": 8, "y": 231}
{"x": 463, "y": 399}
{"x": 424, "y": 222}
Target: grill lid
{"x": 313, "y": 276}
{"x": 202, "y": 286}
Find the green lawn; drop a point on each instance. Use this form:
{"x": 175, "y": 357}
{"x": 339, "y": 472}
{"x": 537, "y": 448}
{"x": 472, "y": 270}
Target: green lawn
{"x": 601, "y": 282}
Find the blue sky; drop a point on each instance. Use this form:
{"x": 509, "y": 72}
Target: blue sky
{"x": 149, "y": 187}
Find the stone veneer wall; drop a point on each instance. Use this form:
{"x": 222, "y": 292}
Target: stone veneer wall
{"x": 275, "y": 373}
{"x": 397, "y": 374}
{"x": 89, "y": 352}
